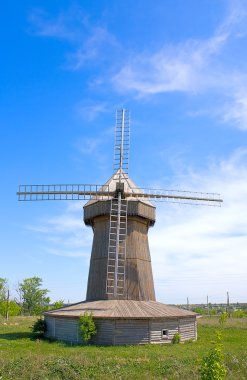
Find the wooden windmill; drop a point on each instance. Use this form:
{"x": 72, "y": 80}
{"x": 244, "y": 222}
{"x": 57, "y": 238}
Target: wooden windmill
{"x": 120, "y": 214}
{"x": 120, "y": 291}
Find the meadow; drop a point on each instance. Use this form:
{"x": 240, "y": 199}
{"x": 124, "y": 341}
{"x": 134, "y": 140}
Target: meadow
{"x": 23, "y": 357}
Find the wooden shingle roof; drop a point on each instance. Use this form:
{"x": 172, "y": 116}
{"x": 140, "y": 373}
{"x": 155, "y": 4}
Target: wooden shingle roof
{"x": 123, "y": 309}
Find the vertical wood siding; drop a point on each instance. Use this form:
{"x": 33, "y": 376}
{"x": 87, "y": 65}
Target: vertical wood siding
{"x": 123, "y": 331}
{"x": 139, "y": 278}
{"x": 131, "y": 332}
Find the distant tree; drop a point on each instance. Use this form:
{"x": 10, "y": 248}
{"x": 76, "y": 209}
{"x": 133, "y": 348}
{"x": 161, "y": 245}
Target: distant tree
{"x": 12, "y": 307}
{"x": 199, "y": 310}
{"x": 35, "y": 299}
{"x": 4, "y": 298}
{"x": 3, "y": 289}
{"x": 58, "y": 304}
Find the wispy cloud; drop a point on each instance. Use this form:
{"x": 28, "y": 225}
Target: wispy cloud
{"x": 235, "y": 111}
{"x": 90, "y": 112}
{"x": 68, "y": 25}
{"x": 96, "y": 45}
{"x": 195, "y": 67}
{"x": 87, "y": 41}
{"x": 65, "y": 234}
{"x": 172, "y": 68}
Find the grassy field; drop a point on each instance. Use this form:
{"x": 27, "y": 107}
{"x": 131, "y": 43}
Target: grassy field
{"x": 21, "y": 357}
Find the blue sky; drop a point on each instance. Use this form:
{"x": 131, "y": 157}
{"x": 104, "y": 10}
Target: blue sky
{"x": 180, "y": 68}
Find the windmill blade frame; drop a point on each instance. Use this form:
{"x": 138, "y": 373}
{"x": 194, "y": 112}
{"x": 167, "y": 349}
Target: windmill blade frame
{"x": 176, "y": 196}
{"x": 63, "y": 192}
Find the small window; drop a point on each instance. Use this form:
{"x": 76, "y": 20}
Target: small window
{"x": 164, "y": 334}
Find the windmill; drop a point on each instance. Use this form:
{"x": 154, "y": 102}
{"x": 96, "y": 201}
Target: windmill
{"x": 120, "y": 214}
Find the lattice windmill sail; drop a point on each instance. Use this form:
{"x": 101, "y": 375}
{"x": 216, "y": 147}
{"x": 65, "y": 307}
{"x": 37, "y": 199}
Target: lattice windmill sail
{"x": 120, "y": 214}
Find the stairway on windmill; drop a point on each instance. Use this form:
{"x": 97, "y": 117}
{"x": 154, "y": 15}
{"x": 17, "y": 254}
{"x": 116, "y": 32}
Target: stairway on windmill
{"x": 120, "y": 291}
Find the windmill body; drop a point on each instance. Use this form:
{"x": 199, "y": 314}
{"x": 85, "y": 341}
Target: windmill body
{"x": 140, "y": 214}
{"x": 120, "y": 290}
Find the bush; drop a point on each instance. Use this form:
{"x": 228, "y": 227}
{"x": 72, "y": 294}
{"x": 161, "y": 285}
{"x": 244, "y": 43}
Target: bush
{"x": 87, "y": 327}
{"x": 58, "y": 304}
{"x": 212, "y": 365}
{"x": 39, "y": 328}
{"x": 239, "y": 314}
{"x": 222, "y": 318}
{"x": 176, "y": 338}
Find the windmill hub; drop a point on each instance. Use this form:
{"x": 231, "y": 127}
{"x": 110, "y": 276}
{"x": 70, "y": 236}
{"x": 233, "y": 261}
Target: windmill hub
{"x": 119, "y": 189}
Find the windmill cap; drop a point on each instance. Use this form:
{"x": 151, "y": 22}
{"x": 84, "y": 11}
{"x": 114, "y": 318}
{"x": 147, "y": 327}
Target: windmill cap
{"x": 136, "y": 206}
{"x": 129, "y": 187}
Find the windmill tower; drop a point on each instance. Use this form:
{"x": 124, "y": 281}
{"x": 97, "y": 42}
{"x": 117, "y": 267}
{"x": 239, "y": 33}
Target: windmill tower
{"x": 120, "y": 290}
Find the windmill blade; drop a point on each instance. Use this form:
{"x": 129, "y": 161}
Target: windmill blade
{"x": 62, "y": 192}
{"x": 122, "y": 143}
{"x": 177, "y": 196}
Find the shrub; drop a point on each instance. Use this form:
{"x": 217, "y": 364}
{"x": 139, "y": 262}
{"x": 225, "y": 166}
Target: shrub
{"x": 87, "y": 327}
{"x": 39, "y": 328}
{"x": 222, "y": 318}
{"x": 239, "y": 314}
{"x": 176, "y": 338}
{"x": 212, "y": 365}
{"x": 58, "y": 304}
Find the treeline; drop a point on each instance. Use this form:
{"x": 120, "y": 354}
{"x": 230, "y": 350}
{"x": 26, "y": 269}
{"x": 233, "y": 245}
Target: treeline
{"x": 31, "y": 298}
{"x": 216, "y": 311}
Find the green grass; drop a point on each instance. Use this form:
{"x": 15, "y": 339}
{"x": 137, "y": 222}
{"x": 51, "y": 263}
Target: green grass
{"x": 21, "y": 357}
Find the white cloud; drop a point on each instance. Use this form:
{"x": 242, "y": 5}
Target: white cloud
{"x": 235, "y": 111}
{"x": 196, "y": 67}
{"x": 198, "y": 251}
{"x": 173, "y": 68}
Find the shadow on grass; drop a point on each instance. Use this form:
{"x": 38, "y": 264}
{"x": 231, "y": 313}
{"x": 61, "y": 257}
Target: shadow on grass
{"x": 16, "y": 335}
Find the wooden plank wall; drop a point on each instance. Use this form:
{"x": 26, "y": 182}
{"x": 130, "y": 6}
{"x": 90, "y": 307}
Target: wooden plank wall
{"x": 105, "y": 331}
{"x": 63, "y": 329}
{"x": 156, "y": 327}
{"x": 67, "y": 329}
{"x": 188, "y": 328}
{"x": 139, "y": 277}
{"x": 104, "y": 207}
{"x": 123, "y": 331}
{"x": 131, "y": 332}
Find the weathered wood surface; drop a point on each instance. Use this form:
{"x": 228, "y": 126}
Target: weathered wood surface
{"x": 122, "y": 331}
{"x": 139, "y": 278}
{"x": 124, "y": 309}
{"x": 102, "y": 208}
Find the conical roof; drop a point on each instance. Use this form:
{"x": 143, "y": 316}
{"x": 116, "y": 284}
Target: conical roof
{"x": 129, "y": 187}
{"x": 126, "y": 309}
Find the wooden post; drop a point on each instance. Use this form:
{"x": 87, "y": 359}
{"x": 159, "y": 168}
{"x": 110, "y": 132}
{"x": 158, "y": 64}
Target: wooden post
{"x": 7, "y": 306}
